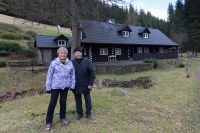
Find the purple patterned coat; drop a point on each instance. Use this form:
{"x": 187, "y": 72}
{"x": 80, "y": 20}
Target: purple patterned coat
{"x": 60, "y": 76}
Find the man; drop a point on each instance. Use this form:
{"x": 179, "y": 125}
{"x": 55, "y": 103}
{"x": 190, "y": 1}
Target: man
{"x": 84, "y": 82}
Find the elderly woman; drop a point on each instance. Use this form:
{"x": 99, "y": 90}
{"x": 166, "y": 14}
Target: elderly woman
{"x": 60, "y": 78}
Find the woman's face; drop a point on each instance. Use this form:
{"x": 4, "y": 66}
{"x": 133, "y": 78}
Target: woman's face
{"x": 62, "y": 55}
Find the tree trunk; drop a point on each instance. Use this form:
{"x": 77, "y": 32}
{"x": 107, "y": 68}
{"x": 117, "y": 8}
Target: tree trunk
{"x": 75, "y": 27}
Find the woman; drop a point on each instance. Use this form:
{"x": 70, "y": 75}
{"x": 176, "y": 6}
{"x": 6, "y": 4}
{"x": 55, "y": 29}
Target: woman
{"x": 60, "y": 78}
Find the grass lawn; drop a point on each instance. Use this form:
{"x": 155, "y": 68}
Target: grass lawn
{"x": 168, "y": 107}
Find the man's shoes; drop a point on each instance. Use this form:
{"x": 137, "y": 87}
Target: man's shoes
{"x": 48, "y": 127}
{"x": 89, "y": 116}
{"x": 64, "y": 121}
{"x": 79, "y": 117}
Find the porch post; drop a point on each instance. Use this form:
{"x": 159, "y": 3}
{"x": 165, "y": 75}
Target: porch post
{"x": 90, "y": 53}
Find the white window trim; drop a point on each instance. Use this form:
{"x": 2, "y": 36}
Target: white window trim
{"x": 104, "y": 50}
{"x": 125, "y": 33}
{"x": 139, "y": 49}
{"x": 145, "y": 35}
{"x": 118, "y": 53}
{"x": 60, "y": 43}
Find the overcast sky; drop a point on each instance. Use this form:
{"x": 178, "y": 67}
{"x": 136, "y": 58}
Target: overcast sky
{"x": 158, "y": 8}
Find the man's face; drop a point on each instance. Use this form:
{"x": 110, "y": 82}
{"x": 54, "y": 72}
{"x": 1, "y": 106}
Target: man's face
{"x": 78, "y": 55}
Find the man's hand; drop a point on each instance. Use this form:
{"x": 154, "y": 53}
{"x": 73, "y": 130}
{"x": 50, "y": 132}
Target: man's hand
{"x": 89, "y": 87}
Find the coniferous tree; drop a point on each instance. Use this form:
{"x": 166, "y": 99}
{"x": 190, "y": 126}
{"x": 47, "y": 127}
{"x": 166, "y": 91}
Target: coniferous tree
{"x": 170, "y": 19}
{"x": 192, "y": 14}
{"x": 180, "y": 32}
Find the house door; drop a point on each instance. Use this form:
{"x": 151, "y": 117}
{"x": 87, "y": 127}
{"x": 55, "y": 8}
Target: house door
{"x": 54, "y": 54}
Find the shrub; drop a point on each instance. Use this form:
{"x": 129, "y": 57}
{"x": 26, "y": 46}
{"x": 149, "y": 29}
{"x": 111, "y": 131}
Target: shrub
{"x": 4, "y": 53}
{"x": 11, "y": 36}
{"x": 181, "y": 65}
{"x": 9, "y": 46}
{"x": 31, "y": 33}
{"x": 27, "y": 37}
{"x": 15, "y": 47}
{"x": 26, "y": 51}
{"x": 151, "y": 60}
{"x": 2, "y": 63}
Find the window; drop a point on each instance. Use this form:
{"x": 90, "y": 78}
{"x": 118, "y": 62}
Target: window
{"x": 85, "y": 51}
{"x": 81, "y": 35}
{"x": 139, "y": 50}
{"x": 103, "y": 51}
{"x": 161, "y": 50}
{"x": 125, "y": 34}
{"x": 146, "y": 50}
{"x": 117, "y": 51}
{"x": 145, "y": 35}
{"x": 61, "y": 43}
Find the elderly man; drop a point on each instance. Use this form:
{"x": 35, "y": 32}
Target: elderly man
{"x": 84, "y": 82}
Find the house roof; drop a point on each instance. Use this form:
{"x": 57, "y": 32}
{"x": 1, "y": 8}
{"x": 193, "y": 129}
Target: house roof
{"x": 46, "y": 41}
{"x": 106, "y": 33}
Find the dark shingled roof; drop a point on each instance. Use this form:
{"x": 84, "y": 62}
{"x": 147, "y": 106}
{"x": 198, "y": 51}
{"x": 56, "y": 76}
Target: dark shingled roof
{"x": 46, "y": 41}
{"x": 106, "y": 33}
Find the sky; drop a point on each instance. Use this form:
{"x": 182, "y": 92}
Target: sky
{"x": 158, "y": 8}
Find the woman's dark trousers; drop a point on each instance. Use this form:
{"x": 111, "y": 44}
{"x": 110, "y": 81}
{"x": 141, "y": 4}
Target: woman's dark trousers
{"x": 53, "y": 101}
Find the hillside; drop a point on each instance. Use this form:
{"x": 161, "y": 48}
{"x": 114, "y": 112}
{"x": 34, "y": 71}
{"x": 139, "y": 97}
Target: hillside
{"x": 11, "y": 27}
{"x": 29, "y": 25}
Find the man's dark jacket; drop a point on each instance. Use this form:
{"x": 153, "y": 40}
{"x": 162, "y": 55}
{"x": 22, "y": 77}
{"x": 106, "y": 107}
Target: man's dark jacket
{"x": 84, "y": 75}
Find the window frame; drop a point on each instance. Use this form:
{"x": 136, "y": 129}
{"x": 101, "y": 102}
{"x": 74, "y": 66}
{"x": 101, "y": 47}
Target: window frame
{"x": 60, "y": 43}
{"x": 146, "y": 49}
{"x": 120, "y": 51}
{"x": 145, "y": 35}
{"x": 161, "y": 50}
{"x": 103, "y": 51}
{"x": 139, "y": 50}
{"x": 125, "y": 33}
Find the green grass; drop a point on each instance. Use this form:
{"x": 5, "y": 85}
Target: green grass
{"x": 170, "y": 106}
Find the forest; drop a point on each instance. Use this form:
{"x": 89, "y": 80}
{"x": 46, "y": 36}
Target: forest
{"x": 182, "y": 25}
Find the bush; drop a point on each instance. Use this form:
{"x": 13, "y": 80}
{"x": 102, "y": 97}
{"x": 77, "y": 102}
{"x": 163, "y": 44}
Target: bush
{"x": 9, "y": 46}
{"x": 31, "y": 33}
{"x": 181, "y": 65}
{"x": 2, "y": 63}
{"x": 4, "y": 53}
{"x": 26, "y": 51}
{"x": 11, "y": 36}
{"x": 15, "y": 47}
{"x": 151, "y": 60}
{"x": 26, "y": 37}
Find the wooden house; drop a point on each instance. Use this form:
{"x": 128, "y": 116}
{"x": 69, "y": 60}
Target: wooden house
{"x": 105, "y": 41}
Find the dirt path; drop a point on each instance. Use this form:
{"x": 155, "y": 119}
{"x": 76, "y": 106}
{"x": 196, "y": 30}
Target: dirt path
{"x": 197, "y": 71}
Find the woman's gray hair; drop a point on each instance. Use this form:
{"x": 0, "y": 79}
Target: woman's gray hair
{"x": 62, "y": 49}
